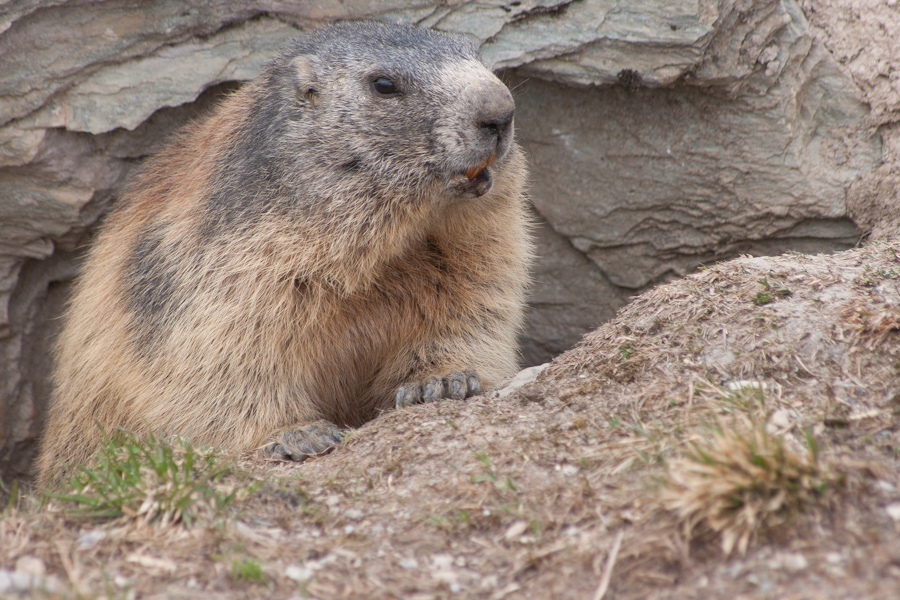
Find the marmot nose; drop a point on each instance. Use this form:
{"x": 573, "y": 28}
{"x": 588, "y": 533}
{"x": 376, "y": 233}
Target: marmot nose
{"x": 495, "y": 114}
{"x": 496, "y": 124}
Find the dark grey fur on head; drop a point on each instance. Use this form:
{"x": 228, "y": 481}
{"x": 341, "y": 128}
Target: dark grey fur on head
{"x": 393, "y": 45}
{"x": 321, "y": 131}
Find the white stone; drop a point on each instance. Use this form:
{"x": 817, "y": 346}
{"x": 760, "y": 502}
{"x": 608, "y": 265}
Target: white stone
{"x": 298, "y": 573}
{"x": 893, "y": 511}
{"x": 521, "y": 379}
{"x": 90, "y": 538}
{"x": 6, "y": 583}
{"x": 31, "y": 565}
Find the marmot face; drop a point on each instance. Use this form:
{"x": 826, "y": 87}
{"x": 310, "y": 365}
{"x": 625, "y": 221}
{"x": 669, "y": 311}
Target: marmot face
{"x": 410, "y": 112}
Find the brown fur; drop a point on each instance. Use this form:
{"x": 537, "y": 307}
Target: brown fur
{"x": 288, "y": 321}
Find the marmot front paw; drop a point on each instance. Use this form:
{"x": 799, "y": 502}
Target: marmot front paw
{"x": 299, "y": 443}
{"x": 456, "y": 386}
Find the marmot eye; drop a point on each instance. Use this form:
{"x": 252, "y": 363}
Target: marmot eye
{"x": 385, "y": 87}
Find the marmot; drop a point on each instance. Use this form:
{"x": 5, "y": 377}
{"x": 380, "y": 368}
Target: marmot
{"x": 345, "y": 233}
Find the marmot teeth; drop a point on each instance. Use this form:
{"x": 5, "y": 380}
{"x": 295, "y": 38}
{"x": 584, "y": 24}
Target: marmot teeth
{"x": 473, "y": 171}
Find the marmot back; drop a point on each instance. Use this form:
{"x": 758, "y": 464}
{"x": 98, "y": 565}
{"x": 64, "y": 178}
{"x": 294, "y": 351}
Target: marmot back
{"x": 344, "y": 234}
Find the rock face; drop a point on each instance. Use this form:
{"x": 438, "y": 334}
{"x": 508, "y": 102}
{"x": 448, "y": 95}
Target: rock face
{"x": 662, "y": 135}
{"x": 863, "y": 39}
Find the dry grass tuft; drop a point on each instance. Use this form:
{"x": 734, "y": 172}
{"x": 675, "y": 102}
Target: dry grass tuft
{"x": 741, "y": 481}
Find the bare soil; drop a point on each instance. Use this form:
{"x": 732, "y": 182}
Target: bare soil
{"x": 577, "y": 485}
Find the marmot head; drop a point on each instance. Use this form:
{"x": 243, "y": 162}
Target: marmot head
{"x": 381, "y": 110}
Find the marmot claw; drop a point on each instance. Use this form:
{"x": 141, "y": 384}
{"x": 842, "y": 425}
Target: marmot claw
{"x": 453, "y": 386}
{"x": 298, "y": 444}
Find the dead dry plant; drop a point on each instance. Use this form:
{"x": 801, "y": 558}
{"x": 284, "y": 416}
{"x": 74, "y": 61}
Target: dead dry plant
{"x": 743, "y": 480}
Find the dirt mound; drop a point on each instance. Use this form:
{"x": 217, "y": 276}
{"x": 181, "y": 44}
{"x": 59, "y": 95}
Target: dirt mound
{"x": 732, "y": 433}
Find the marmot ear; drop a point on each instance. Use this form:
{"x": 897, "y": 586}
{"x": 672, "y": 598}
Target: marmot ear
{"x": 305, "y": 80}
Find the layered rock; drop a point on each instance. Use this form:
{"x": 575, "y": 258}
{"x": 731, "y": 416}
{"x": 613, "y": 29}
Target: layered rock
{"x": 662, "y": 135}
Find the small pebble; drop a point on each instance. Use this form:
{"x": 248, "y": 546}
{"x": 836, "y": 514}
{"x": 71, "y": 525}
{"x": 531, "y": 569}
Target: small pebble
{"x": 353, "y": 513}
{"x": 886, "y": 486}
{"x": 781, "y": 419}
{"x": 515, "y": 530}
{"x": 21, "y": 582}
{"x": 31, "y": 565}
{"x": 89, "y": 539}
{"x": 442, "y": 561}
{"x": 5, "y": 581}
{"x": 298, "y": 573}
{"x": 792, "y": 562}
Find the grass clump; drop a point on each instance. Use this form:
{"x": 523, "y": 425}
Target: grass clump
{"x": 247, "y": 569}
{"x": 152, "y": 480}
{"x": 770, "y": 293}
{"x": 738, "y": 482}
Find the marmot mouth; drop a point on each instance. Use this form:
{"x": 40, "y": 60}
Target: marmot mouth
{"x": 475, "y": 170}
{"x": 477, "y": 180}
